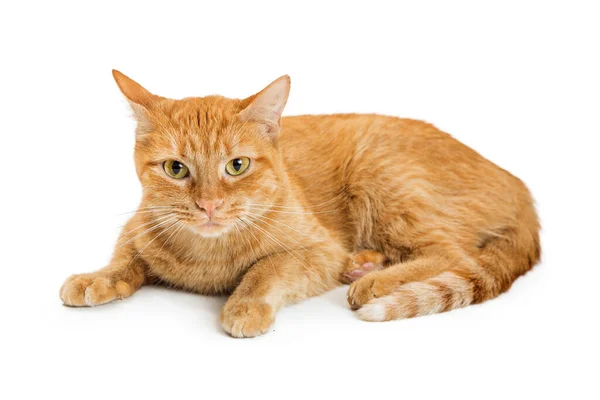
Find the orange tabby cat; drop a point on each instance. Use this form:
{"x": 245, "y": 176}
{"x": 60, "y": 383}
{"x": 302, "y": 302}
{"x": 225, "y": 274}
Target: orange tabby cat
{"x": 238, "y": 200}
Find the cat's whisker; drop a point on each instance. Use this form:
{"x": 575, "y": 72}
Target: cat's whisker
{"x": 342, "y": 193}
{"x": 178, "y": 212}
{"x": 261, "y": 217}
{"x": 139, "y": 253}
{"x": 249, "y": 224}
{"x": 148, "y": 214}
{"x": 151, "y": 212}
{"x": 176, "y": 230}
{"x": 301, "y": 207}
{"x": 266, "y": 209}
{"x": 278, "y": 207}
{"x": 160, "y": 215}
{"x": 292, "y": 240}
{"x": 287, "y": 249}
{"x": 147, "y": 231}
{"x": 288, "y": 236}
{"x": 140, "y": 225}
{"x": 143, "y": 208}
{"x": 156, "y": 208}
{"x": 147, "y": 209}
{"x": 158, "y": 219}
{"x": 250, "y": 244}
{"x": 255, "y": 225}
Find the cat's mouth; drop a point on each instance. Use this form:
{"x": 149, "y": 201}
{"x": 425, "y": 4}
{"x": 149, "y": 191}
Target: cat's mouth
{"x": 211, "y": 228}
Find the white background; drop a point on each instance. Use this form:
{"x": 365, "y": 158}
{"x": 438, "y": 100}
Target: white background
{"x": 517, "y": 81}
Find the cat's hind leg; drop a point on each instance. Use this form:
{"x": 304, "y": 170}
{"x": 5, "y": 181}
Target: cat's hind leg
{"x": 445, "y": 278}
{"x": 362, "y": 263}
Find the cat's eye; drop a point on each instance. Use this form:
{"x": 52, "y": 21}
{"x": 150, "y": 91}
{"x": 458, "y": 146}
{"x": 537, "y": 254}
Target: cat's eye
{"x": 175, "y": 169}
{"x": 237, "y": 166}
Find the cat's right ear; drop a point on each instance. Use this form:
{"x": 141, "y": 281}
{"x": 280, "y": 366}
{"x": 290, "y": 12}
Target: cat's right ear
{"x": 141, "y": 100}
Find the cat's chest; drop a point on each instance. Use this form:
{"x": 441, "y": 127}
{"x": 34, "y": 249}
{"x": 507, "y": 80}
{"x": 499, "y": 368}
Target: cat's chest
{"x": 206, "y": 271}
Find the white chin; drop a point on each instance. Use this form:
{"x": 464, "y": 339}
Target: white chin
{"x": 210, "y": 230}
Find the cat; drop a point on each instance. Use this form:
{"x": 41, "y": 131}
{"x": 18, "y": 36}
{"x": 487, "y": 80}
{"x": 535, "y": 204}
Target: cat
{"x": 238, "y": 200}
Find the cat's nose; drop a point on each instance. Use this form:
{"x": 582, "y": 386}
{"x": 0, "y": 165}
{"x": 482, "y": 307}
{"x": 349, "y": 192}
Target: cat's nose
{"x": 209, "y": 206}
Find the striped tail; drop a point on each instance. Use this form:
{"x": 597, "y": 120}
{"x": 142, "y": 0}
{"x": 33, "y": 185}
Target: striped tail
{"x": 443, "y": 292}
{"x": 493, "y": 270}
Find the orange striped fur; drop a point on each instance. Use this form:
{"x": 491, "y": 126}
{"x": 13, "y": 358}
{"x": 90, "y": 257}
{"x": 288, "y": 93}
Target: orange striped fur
{"x": 417, "y": 222}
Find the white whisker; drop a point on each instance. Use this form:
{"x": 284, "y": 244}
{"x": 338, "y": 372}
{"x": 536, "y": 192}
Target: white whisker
{"x": 285, "y": 248}
{"x": 258, "y": 216}
{"x": 147, "y": 231}
{"x": 178, "y": 229}
{"x": 266, "y": 209}
{"x": 139, "y": 253}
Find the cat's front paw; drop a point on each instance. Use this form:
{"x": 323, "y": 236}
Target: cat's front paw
{"x": 246, "y": 318}
{"x": 87, "y": 290}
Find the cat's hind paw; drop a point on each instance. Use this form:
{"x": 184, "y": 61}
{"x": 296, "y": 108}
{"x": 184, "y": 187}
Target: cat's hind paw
{"x": 362, "y": 263}
{"x": 87, "y": 290}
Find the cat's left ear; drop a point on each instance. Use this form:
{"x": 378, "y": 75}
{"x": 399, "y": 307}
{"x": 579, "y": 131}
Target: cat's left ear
{"x": 266, "y": 106}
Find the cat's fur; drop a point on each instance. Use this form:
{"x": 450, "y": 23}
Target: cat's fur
{"x": 418, "y": 222}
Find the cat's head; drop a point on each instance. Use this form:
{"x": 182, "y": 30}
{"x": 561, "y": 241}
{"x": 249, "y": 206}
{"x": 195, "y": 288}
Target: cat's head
{"x": 208, "y": 163}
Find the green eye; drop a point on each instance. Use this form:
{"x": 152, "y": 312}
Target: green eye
{"x": 175, "y": 169}
{"x": 237, "y": 166}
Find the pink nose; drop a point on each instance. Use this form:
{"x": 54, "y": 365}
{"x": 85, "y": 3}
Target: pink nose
{"x": 209, "y": 206}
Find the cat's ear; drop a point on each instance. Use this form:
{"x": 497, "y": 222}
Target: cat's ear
{"x": 141, "y": 100}
{"x": 266, "y": 106}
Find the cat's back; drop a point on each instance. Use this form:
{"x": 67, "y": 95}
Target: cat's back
{"x": 336, "y": 138}
{"x": 369, "y": 149}
{"x": 335, "y": 126}
{"x": 372, "y": 141}
{"x": 350, "y": 131}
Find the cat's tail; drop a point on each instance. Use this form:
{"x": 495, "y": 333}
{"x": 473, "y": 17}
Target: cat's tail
{"x": 444, "y": 292}
{"x": 495, "y": 267}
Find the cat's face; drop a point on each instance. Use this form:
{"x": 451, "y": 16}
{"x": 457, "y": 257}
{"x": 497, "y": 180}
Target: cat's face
{"x": 208, "y": 164}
